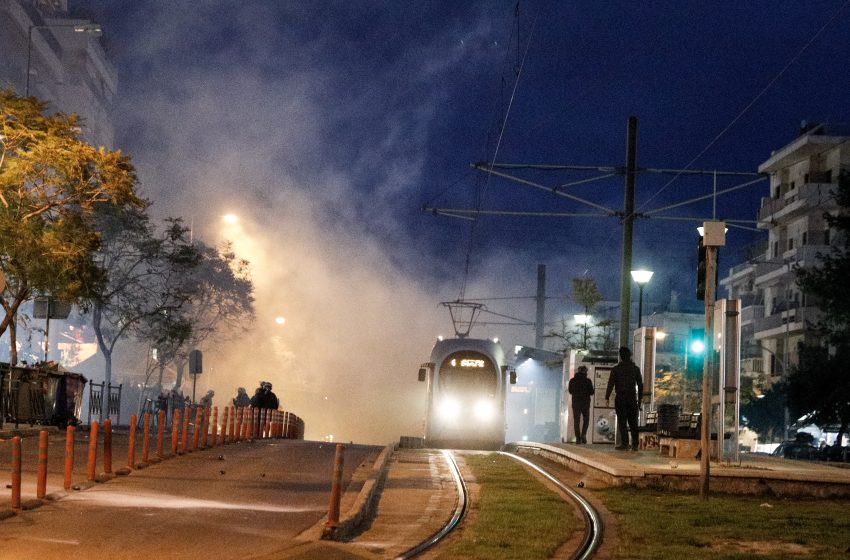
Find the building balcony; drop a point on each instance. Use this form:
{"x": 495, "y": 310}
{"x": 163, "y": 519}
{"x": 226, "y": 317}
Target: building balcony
{"x": 786, "y": 321}
{"x": 749, "y": 313}
{"x": 794, "y": 202}
{"x": 752, "y": 365}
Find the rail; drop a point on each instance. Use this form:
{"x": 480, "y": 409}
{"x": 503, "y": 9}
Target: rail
{"x": 460, "y": 511}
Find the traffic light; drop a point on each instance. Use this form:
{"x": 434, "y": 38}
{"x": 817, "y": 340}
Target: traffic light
{"x": 695, "y": 352}
{"x": 701, "y": 271}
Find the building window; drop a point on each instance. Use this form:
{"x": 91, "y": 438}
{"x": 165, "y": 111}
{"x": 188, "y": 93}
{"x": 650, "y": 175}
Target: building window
{"x": 806, "y": 178}
{"x": 776, "y": 248}
{"x": 826, "y": 236}
{"x": 805, "y": 239}
{"x": 792, "y": 186}
{"x": 790, "y": 243}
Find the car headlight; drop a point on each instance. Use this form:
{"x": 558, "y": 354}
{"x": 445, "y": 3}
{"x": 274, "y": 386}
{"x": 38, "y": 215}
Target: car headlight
{"x": 484, "y": 410}
{"x": 448, "y": 409}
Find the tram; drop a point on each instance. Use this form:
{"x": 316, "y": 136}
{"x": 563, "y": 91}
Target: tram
{"x": 466, "y": 394}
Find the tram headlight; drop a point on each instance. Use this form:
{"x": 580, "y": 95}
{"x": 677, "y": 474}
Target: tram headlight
{"x": 484, "y": 410}
{"x": 449, "y": 409}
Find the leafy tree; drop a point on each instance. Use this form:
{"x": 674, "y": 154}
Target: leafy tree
{"x": 222, "y": 301}
{"x": 164, "y": 322}
{"x": 820, "y": 385}
{"x": 145, "y": 276}
{"x": 586, "y": 294}
{"x": 50, "y": 184}
{"x": 766, "y": 414}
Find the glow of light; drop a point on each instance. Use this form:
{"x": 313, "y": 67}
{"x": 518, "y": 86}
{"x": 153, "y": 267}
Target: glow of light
{"x": 280, "y": 320}
{"x": 660, "y": 335}
{"x": 449, "y": 409}
{"x": 583, "y": 319}
{"x": 697, "y": 346}
{"x": 641, "y": 276}
{"x": 496, "y": 340}
{"x": 230, "y": 218}
{"x": 440, "y": 337}
{"x": 484, "y": 410}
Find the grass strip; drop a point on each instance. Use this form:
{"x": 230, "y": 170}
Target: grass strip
{"x": 516, "y": 516}
{"x": 660, "y": 524}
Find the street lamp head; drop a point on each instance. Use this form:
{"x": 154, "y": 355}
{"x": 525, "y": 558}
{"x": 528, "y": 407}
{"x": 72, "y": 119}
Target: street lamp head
{"x": 641, "y": 276}
{"x": 582, "y": 319}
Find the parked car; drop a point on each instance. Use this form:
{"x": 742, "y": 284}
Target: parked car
{"x": 834, "y": 453}
{"x": 795, "y": 450}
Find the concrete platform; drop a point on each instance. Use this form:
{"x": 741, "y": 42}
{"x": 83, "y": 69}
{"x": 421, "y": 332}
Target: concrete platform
{"x": 755, "y": 474}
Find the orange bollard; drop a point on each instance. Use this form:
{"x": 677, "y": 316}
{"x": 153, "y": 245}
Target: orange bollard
{"x": 41, "y": 481}
{"x": 185, "y": 439}
{"x": 237, "y": 418}
{"x": 206, "y": 428}
{"x": 107, "y": 446}
{"x": 224, "y": 421}
{"x": 92, "y": 451}
{"x": 196, "y": 433}
{"x": 215, "y": 426}
{"x": 160, "y": 436}
{"x": 175, "y": 431}
{"x": 16, "y": 472}
{"x": 131, "y": 443}
{"x": 333, "y": 510}
{"x": 69, "y": 456}
{"x": 252, "y": 426}
{"x": 146, "y": 438}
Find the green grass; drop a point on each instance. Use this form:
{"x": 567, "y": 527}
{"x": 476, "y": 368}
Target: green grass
{"x": 663, "y": 524}
{"x": 516, "y": 516}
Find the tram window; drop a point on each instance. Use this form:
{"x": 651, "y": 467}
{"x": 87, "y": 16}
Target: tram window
{"x": 422, "y": 374}
{"x": 513, "y": 377}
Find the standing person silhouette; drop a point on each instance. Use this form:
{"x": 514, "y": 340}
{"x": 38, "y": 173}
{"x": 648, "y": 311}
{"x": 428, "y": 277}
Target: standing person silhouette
{"x": 627, "y": 382}
{"x": 581, "y": 389}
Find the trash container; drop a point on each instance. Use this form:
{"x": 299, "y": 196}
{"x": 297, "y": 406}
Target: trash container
{"x": 668, "y": 418}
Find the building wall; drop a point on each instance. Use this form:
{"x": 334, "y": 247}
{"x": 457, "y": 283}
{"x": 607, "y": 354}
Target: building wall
{"x": 67, "y": 68}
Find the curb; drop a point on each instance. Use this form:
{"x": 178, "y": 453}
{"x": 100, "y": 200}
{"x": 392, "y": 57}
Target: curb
{"x": 367, "y": 500}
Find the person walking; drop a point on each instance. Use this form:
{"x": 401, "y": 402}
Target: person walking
{"x": 581, "y": 389}
{"x": 626, "y": 381}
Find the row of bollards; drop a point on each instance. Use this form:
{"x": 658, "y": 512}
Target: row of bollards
{"x": 238, "y": 424}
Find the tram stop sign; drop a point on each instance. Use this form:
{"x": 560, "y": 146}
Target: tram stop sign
{"x": 196, "y": 359}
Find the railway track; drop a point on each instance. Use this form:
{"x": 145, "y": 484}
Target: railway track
{"x": 593, "y": 524}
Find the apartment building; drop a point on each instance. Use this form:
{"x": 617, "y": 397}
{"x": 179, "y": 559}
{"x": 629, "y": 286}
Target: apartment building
{"x": 776, "y": 315}
{"x": 59, "y": 59}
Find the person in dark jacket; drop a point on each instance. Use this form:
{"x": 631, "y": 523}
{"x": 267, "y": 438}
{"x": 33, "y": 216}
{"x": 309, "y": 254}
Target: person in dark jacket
{"x": 581, "y": 389}
{"x": 627, "y": 382}
{"x": 242, "y": 398}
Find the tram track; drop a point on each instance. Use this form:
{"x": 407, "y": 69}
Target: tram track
{"x": 593, "y": 528}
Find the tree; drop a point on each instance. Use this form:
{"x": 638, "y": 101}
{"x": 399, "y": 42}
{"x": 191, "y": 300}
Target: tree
{"x": 819, "y": 386}
{"x": 222, "y": 301}
{"x": 766, "y": 414}
{"x": 586, "y": 294}
{"x": 145, "y": 275}
{"x": 51, "y": 182}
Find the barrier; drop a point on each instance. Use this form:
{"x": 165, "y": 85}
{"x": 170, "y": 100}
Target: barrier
{"x": 92, "y": 451}
{"x": 16, "y": 473}
{"x": 160, "y": 434}
{"x": 333, "y": 509}
{"x": 69, "y": 457}
{"x": 107, "y": 446}
{"x": 175, "y": 431}
{"x": 131, "y": 443}
{"x": 41, "y": 483}
{"x": 146, "y": 435}
{"x": 184, "y": 440}
{"x": 196, "y": 433}
{"x": 215, "y": 426}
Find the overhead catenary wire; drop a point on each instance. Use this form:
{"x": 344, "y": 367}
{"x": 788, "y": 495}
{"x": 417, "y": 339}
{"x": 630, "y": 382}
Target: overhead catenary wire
{"x": 753, "y": 102}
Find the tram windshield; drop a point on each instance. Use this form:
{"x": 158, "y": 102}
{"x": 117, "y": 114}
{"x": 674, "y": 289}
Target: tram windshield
{"x": 468, "y": 372}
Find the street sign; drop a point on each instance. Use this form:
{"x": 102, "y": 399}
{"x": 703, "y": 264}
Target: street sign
{"x": 48, "y": 308}
{"x": 196, "y": 359}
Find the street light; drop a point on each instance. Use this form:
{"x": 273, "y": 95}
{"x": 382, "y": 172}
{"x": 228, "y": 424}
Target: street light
{"x": 90, "y": 28}
{"x": 641, "y": 277}
{"x": 583, "y": 319}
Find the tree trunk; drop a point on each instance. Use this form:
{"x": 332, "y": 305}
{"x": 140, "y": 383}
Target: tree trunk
{"x": 107, "y": 365}
{"x": 13, "y": 341}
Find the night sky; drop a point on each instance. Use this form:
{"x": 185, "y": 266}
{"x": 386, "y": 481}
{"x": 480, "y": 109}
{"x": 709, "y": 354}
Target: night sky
{"x": 327, "y": 126}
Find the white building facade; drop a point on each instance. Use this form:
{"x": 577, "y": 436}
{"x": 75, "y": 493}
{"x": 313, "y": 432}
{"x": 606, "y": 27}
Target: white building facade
{"x": 776, "y": 316}
{"x": 60, "y": 60}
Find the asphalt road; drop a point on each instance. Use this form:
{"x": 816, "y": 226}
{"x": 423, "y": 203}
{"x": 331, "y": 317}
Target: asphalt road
{"x": 236, "y": 501}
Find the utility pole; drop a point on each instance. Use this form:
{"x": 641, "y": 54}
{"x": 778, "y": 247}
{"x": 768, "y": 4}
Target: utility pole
{"x": 541, "y": 306}
{"x": 628, "y": 222}
{"x": 714, "y": 236}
